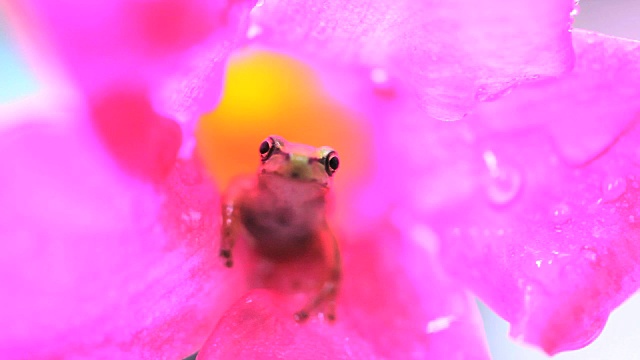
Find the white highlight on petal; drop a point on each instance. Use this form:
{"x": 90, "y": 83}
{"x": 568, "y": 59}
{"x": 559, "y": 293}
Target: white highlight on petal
{"x": 491, "y": 162}
{"x": 425, "y": 237}
{"x": 439, "y": 324}
{"x": 379, "y": 76}
{"x": 253, "y": 31}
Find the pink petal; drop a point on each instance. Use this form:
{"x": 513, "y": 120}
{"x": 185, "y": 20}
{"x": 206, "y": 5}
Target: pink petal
{"x": 175, "y": 49}
{"x": 384, "y": 311}
{"x": 140, "y": 140}
{"x": 95, "y": 262}
{"x": 535, "y": 196}
{"x": 452, "y": 53}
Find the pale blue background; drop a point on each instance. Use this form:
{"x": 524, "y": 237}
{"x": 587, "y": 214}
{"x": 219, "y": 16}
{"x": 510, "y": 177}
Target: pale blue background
{"x": 15, "y": 80}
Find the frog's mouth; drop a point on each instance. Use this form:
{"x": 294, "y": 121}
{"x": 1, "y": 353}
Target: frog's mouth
{"x": 294, "y": 176}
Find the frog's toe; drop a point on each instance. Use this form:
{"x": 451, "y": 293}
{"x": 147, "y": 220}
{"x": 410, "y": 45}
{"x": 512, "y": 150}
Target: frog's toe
{"x": 226, "y": 254}
{"x": 330, "y": 311}
{"x": 301, "y": 316}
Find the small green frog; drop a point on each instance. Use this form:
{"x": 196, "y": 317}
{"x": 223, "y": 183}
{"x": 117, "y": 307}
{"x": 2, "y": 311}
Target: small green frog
{"x": 282, "y": 212}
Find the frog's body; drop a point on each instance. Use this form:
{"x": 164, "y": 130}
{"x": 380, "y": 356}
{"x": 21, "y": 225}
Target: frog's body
{"x": 283, "y": 209}
{"x": 282, "y": 215}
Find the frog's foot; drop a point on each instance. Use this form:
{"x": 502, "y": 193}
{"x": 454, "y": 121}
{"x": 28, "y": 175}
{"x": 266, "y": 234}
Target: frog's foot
{"x": 301, "y": 316}
{"x": 326, "y": 297}
{"x": 226, "y": 255}
{"x": 330, "y": 310}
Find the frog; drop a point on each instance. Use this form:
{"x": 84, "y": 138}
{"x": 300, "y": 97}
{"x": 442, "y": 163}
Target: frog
{"x": 282, "y": 212}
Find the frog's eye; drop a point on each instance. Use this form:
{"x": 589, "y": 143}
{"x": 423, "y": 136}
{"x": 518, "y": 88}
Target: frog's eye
{"x": 268, "y": 147}
{"x": 331, "y": 163}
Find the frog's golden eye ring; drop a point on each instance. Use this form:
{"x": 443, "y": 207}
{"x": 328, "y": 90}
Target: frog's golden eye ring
{"x": 331, "y": 163}
{"x": 266, "y": 148}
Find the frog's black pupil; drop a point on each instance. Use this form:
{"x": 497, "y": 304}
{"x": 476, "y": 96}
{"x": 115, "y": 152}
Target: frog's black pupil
{"x": 334, "y": 163}
{"x": 264, "y": 147}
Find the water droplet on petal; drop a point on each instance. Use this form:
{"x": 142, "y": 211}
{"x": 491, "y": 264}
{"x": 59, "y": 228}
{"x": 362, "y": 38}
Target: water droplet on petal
{"x": 440, "y": 324}
{"x": 576, "y": 9}
{"x": 490, "y": 161}
{"x": 381, "y": 82}
{"x": 504, "y": 186}
{"x": 253, "y": 31}
{"x": 504, "y": 183}
{"x": 561, "y": 214}
{"x": 613, "y": 188}
{"x": 259, "y": 3}
{"x": 574, "y": 12}
{"x": 379, "y": 76}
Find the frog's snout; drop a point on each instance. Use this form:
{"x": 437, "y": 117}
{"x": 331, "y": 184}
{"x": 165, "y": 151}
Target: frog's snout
{"x": 299, "y": 166}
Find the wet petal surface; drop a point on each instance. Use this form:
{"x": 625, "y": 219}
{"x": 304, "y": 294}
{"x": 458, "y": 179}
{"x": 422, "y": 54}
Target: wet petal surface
{"x": 98, "y": 261}
{"x": 452, "y": 53}
{"x": 536, "y": 195}
{"x": 382, "y": 312}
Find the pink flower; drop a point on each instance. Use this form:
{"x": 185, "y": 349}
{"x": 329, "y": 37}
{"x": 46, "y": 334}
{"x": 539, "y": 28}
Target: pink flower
{"x": 110, "y": 225}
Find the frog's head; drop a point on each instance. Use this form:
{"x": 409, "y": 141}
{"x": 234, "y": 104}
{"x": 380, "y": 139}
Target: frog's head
{"x": 298, "y": 161}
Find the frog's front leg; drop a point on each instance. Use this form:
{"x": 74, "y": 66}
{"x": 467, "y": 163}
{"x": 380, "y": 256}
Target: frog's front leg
{"x": 231, "y": 222}
{"x": 331, "y": 284}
